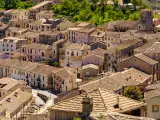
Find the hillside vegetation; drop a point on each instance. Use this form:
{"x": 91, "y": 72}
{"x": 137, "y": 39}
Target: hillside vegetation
{"x": 96, "y": 11}
{"x": 16, "y": 4}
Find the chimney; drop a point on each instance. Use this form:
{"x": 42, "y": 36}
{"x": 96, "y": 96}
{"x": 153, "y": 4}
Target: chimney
{"x": 116, "y": 106}
{"x": 9, "y": 100}
{"x": 87, "y": 105}
{"x": 123, "y": 87}
{"x": 118, "y": 100}
{"x": 16, "y": 94}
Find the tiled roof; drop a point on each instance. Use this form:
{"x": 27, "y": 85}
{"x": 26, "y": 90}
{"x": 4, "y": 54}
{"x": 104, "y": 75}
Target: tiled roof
{"x": 104, "y": 82}
{"x": 31, "y": 34}
{"x": 82, "y": 24}
{"x": 8, "y": 83}
{"x": 130, "y": 77}
{"x": 99, "y": 51}
{"x": 152, "y": 91}
{"x": 44, "y": 69}
{"x": 78, "y": 46}
{"x": 144, "y": 47}
{"x": 145, "y": 59}
{"x": 66, "y": 73}
{"x": 28, "y": 66}
{"x": 16, "y": 102}
{"x": 155, "y": 48}
{"x": 17, "y": 29}
{"x": 90, "y": 66}
{"x": 37, "y": 46}
{"x": 115, "y": 116}
{"x": 103, "y": 101}
{"x": 97, "y": 33}
{"x": 40, "y": 4}
{"x": 65, "y": 24}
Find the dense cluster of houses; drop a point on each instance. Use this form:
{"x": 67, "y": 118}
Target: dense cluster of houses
{"x": 95, "y": 65}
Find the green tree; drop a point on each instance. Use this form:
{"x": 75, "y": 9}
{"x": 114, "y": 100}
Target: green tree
{"x": 56, "y": 64}
{"x": 2, "y": 4}
{"x": 133, "y": 92}
{"x": 12, "y": 4}
{"x": 126, "y": 1}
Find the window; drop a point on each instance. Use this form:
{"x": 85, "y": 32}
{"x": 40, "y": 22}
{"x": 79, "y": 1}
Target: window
{"x": 42, "y": 53}
{"x": 155, "y": 108}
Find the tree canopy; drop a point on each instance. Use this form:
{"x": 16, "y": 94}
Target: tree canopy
{"x": 133, "y": 92}
{"x": 15, "y": 4}
{"x": 97, "y": 11}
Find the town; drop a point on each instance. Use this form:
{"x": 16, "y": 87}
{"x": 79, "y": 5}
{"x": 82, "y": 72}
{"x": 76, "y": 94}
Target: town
{"x": 59, "y": 67}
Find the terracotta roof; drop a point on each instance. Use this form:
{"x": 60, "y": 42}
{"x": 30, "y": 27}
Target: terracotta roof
{"x": 31, "y": 34}
{"x": 65, "y": 72}
{"x": 17, "y": 29}
{"x": 130, "y": 77}
{"x": 124, "y": 23}
{"x": 82, "y": 24}
{"x": 115, "y": 116}
{"x": 37, "y": 46}
{"x": 8, "y": 83}
{"x": 65, "y": 24}
{"x": 145, "y": 59}
{"x": 18, "y": 11}
{"x": 90, "y": 66}
{"x": 16, "y": 102}
{"x": 97, "y": 33}
{"x": 104, "y": 82}
{"x": 78, "y": 46}
{"x": 152, "y": 91}
{"x": 12, "y": 39}
{"x": 44, "y": 69}
{"x": 103, "y": 101}
{"x": 144, "y": 47}
{"x": 28, "y": 66}
{"x": 100, "y": 52}
{"x": 155, "y": 48}
{"x": 40, "y": 4}
{"x": 86, "y": 30}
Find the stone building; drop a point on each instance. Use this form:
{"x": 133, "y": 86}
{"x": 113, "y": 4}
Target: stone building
{"x": 45, "y": 15}
{"x": 11, "y": 43}
{"x": 35, "y": 52}
{"x": 142, "y": 63}
{"x": 15, "y": 97}
{"x": 146, "y": 20}
{"x": 42, "y": 6}
{"x": 49, "y": 37}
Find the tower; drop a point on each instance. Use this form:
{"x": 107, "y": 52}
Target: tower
{"x": 146, "y": 20}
